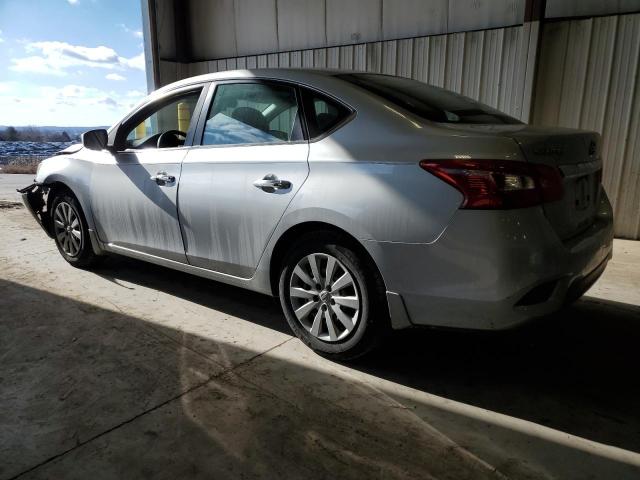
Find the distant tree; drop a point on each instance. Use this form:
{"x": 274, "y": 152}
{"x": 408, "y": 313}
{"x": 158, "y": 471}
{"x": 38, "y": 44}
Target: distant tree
{"x": 31, "y": 134}
{"x": 64, "y": 137}
{"x": 35, "y": 134}
{"x": 10, "y": 134}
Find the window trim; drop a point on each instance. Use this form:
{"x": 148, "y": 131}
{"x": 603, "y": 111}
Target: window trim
{"x": 208, "y": 103}
{"x": 154, "y": 105}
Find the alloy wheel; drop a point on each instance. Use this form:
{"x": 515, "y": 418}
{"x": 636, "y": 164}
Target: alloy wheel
{"x": 325, "y": 297}
{"x": 67, "y": 228}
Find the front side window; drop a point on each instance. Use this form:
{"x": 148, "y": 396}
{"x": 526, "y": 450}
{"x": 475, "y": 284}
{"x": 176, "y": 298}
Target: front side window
{"x": 167, "y": 126}
{"x": 428, "y": 102}
{"x": 246, "y": 113}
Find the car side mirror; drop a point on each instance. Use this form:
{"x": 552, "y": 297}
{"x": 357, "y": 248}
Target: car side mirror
{"x": 95, "y": 139}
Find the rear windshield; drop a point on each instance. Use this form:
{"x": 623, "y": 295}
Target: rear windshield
{"x": 428, "y": 102}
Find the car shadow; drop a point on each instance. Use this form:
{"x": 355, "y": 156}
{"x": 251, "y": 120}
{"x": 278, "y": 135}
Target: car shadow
{"x": 254, "y": 307}
{"x": 88, "y": 391}
{"x": 573, "y": 371}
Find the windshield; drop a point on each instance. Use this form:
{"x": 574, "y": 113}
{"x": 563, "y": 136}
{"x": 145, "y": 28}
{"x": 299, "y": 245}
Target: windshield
{"x": 428, "y": 102}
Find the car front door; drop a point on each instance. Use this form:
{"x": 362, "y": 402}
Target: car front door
{"x": 134, "y": 191}
{"x": 237, "y": 183}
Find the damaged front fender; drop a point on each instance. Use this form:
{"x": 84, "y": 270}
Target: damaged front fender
{"x": 34, "y": 198}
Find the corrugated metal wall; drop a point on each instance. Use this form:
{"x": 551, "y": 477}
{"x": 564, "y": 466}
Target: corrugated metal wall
{"x": 199, "y": 30}
{"x": 487, "y": 65}
{"x": 231, "y": 28}
{"x": 589, "y": 8}
{"x": 588, "y": 77}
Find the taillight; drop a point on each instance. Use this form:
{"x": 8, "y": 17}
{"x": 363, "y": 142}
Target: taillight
{"x": 499, "y": 184}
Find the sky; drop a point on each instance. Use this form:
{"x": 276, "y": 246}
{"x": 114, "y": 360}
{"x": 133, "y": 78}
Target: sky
{"x": 70, "y": 62}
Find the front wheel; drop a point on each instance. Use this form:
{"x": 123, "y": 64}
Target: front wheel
{"x": 332, "y": 297}
{"x": 71, "y": 233}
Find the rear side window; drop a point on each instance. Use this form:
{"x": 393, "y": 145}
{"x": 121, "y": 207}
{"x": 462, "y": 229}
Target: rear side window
{"x": 246, "y": 113}
{"x": 428, "y": 102}
{"x": 323, "y": 113}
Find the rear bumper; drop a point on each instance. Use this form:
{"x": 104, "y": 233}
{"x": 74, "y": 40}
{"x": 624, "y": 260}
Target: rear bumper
{"x": 493, "y": 270}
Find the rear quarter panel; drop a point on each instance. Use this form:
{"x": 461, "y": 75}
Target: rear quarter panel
{"x": 365, "y": 177}
{"x": 386, "y": 202}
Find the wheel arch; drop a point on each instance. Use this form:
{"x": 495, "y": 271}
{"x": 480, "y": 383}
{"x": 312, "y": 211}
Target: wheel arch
{"x": 55, "y": 187}
{"x": 395, "y": 305}
{"x": 294, "y": 232}
{"x": 57, "y": 182}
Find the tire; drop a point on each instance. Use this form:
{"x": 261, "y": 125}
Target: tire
{"x": 71, "y": 233}
{"x": 354, "y": 281}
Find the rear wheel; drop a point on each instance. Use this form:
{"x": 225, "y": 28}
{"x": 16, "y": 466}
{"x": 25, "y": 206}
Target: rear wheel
{"x": 332, "y": 297}
{"x": 71, "y": 233}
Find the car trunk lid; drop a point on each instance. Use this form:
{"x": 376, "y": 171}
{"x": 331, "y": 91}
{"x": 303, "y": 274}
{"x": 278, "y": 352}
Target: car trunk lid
{"x": 577, "y": 154}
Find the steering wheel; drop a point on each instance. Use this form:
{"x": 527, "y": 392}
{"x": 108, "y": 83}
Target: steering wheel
{"x": 171, "y": 138}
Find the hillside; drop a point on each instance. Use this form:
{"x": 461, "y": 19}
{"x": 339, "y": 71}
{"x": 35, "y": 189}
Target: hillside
{"x": 42, "y": 133}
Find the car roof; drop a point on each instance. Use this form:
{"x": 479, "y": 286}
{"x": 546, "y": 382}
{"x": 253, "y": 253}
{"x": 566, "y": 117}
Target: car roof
{"x": 322, "y": 79}
{"x": 300, "y": 75}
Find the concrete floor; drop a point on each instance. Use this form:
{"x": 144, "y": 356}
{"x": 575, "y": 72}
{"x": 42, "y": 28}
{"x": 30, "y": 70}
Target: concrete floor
{"x": 134, "y": 371}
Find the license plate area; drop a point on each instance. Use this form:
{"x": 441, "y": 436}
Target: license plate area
{"x": 583, "y": 192}
{"x": 583, "y": 195}
{"x": 577, "y": 210}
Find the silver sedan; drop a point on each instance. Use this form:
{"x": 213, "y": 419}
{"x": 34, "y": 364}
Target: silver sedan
{"x": 365, "y": 202}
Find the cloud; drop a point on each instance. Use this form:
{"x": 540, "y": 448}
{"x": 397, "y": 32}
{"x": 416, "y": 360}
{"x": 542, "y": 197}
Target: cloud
{"x": 1, "y": 39}
{"x": 135, "y": 33}
{"x": 136, "y": 62}
{"x": 115, "y": 77}
{"x": 75, "y": 91}
{"x": 73, "y": 2}
{"x": 35, "y": 65}
{"x": 70, "y": 104}
{"x": 109, "y": 101}
{"x": 54, "y": 58}
{"x": 99, "y": 54}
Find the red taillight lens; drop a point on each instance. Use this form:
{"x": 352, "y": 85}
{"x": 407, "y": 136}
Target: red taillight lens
{"x": 499, "y": 184}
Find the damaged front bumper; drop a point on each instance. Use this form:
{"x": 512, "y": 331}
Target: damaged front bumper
{"x": 34, "y": 198}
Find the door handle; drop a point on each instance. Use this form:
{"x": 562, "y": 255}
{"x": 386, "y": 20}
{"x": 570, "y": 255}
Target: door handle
{"x": 271, "y": 183}
{"x": 161, "y": 178}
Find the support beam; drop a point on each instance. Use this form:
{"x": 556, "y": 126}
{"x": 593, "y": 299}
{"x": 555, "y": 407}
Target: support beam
{"x": 532, "y": 34}
{"x": 150, "y": 35}
{"x": 181, "y": 17}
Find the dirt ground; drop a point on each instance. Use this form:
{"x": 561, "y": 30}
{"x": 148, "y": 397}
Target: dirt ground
{"x": 135, "y": 371}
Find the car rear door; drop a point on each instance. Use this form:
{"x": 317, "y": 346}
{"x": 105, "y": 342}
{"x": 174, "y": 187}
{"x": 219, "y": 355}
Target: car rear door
{"x": 134, "y": 190}
{"x": 237, "y": 183}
